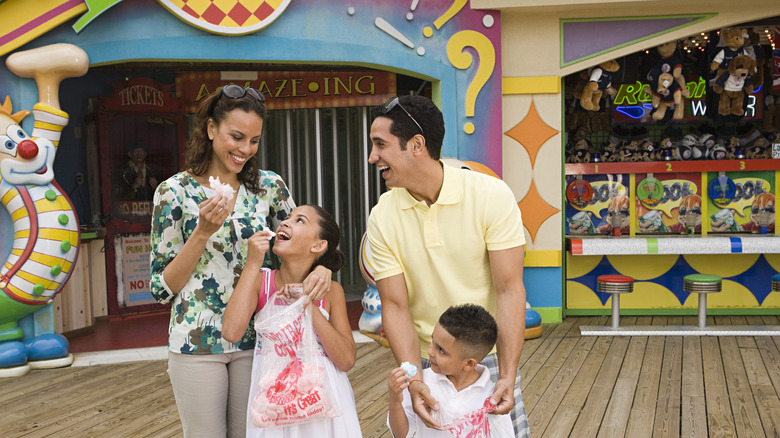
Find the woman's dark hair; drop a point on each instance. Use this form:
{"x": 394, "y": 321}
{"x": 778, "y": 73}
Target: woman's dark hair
{"x": 332, "y": 259}
{"x": 199, "y": 149}
{"x": 425, "y": 113}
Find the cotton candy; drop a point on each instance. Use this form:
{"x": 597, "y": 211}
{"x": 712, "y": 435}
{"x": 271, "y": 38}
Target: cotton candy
{"x": 221, "y": 189}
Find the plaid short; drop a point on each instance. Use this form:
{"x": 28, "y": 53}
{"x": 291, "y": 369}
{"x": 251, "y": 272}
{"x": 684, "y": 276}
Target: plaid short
{"x": 519, "y": 419}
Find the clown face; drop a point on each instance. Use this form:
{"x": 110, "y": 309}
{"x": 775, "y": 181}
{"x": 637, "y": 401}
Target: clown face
{"x": 22, "y": 160}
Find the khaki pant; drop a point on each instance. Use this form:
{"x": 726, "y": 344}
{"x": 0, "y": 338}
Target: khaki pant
{"x": 212, "y": 392}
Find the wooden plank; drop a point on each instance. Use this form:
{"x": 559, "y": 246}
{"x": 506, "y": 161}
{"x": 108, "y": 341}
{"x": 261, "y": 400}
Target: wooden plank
{"x": 693, "y": 421}
{"x": 642, "y": 416}
{"x": 546, "y": 407}
{"x": 534, "y": 388}
{"x": 720, "y": 421}
{"x": 667, "y": 411}
{"x": 764, "y": 393}
{"x": 616, "y": 417}
{"x": 571, "y": 406}
{"x": 747, "y": 422}
{"x": 529, "y": 369}
{"x": 589, "y": 420}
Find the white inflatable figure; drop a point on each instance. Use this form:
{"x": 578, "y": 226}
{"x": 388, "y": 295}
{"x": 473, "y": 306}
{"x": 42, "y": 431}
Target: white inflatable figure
{"x": 370, "y": 323}
{"x": 43, "y": 224}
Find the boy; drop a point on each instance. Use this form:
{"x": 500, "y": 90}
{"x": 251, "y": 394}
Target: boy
{"x": 464, "y": 335}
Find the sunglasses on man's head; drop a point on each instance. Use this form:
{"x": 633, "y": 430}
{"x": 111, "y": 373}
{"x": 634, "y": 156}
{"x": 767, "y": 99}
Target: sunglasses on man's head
{"x": 233, "y": 91}
{"x": 392, "y": 103}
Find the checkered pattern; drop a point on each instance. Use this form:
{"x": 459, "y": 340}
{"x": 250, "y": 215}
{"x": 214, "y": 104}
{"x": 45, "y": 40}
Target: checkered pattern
{"x": 229, "y": 13}
{"x": 519, "y": 419}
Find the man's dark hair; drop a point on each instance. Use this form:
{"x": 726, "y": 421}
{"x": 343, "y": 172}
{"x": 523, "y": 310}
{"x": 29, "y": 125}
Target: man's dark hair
{"x": 425, "y": 113}
{"x": 473, "y": 328}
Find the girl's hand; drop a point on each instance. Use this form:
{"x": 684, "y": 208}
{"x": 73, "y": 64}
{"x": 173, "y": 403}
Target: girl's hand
{"x": 258, "y": 246}
{"x": 396, "y": 384}
{"x": 213, "y": 214}
{"x": 317, "y": 284}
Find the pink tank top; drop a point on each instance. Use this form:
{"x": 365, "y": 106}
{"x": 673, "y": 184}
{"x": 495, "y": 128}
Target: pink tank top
{"x": 268, "y": 288}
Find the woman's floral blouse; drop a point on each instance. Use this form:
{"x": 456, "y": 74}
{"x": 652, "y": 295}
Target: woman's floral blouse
{"x": 196, "y": 311}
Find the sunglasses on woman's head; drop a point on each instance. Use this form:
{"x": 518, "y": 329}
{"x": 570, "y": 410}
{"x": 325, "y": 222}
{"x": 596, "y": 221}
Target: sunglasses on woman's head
{"x": 234, "y": 91}
{"x": 392, "y": 103}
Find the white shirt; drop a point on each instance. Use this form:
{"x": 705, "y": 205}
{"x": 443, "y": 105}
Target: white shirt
{"x": 454, "y": 404}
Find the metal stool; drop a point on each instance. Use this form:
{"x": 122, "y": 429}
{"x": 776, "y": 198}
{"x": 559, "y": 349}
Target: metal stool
{"x": 615, "y": 285}
{"x": 776, "y": 283}
{"x": 702, "y": 284}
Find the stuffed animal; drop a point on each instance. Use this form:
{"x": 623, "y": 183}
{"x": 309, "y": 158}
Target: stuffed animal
{"x": 647, "y": 151}
{"x": 600, "y": 81}
{"x": 754, "y": 50}
{"x": 581, "y": 152}
{"x": 732, "y": 85}
{"x": 669, "y": 63}
{"x": 665, "y": 150}
{"x": 665, "y": 94}
{"x": 734, "y": 39}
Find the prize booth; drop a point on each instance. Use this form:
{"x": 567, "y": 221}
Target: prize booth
{"x": 141, "y": 138}
{"x": 669, "y": 177}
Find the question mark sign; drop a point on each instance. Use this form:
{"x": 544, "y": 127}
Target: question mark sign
{"x": 462, "y": 60}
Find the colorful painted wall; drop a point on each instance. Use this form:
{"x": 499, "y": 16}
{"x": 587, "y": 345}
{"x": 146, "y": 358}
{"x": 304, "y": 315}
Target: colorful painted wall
{"x": 447, "y": 42}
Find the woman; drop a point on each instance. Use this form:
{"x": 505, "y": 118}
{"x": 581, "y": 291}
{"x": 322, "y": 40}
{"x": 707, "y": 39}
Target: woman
{"x": 199, "y": 246}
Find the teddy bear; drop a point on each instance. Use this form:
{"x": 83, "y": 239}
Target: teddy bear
{"x": 732, "y": 85}
{"x": 600, "y": 82}
{"x": 754, "y": 50}
{"x": 665, "y": 150}
{"x": 735, "y": 40}
{"x": 665, "y": 93}
{"x": 581, "y": 152}
{"x": 669, "y": 63}
{"x": 647, "y": 151}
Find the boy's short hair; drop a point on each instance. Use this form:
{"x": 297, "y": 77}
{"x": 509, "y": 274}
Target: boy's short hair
{"x": 473, "y": 328}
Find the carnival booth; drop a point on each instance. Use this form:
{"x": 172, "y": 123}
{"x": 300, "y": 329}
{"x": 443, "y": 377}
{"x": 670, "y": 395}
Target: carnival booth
{"x": 672, "y": 164}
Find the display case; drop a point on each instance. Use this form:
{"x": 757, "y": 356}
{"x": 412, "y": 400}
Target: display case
{"x": 140, "y": 136}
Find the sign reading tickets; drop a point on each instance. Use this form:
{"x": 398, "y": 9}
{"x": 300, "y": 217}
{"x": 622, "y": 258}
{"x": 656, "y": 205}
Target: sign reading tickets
{"x": 295, "y": 89}
{"x": 133, "y": 269}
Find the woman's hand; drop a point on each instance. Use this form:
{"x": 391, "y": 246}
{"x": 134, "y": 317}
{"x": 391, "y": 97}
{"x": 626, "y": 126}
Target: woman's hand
{"x": 317, "y": 284}
{"x": 213, "y": 214}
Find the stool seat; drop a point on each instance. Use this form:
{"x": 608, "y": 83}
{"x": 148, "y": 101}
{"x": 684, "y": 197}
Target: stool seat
{"x": 776, "y": 283}
{"x": 614, "y": 284}
{"x": 702, "y": 283}
{"x": 614, "y": 278}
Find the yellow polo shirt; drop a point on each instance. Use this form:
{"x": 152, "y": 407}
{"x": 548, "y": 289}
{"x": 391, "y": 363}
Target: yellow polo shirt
{"x": 442, "y": 250}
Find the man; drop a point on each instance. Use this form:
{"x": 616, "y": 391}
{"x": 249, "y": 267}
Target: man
{"x": 441, "y": 237}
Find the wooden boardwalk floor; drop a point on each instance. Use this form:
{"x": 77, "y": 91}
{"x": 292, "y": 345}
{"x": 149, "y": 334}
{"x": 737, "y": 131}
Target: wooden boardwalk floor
{"x": 572, "y": 386}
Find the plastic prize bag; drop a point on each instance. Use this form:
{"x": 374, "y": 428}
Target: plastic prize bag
{"x": 474, "y": 424}
{"x": 290, "y": 383}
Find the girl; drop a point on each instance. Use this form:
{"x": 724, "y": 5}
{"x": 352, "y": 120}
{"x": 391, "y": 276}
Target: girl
{"x": 308, "y": 238}
{"x": 199, "y": 245}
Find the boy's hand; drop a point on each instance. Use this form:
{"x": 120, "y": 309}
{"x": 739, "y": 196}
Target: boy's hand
{"x": 396, "y": 383}
{"x": 423, "y": 403}
{"x": 503, "y": 397}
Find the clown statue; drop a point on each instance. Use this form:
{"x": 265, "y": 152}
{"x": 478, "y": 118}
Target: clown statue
{"x": 40, "y": 230}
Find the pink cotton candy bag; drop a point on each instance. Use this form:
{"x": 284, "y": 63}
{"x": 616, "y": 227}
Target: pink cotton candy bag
{"x": 290, "y": 372}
